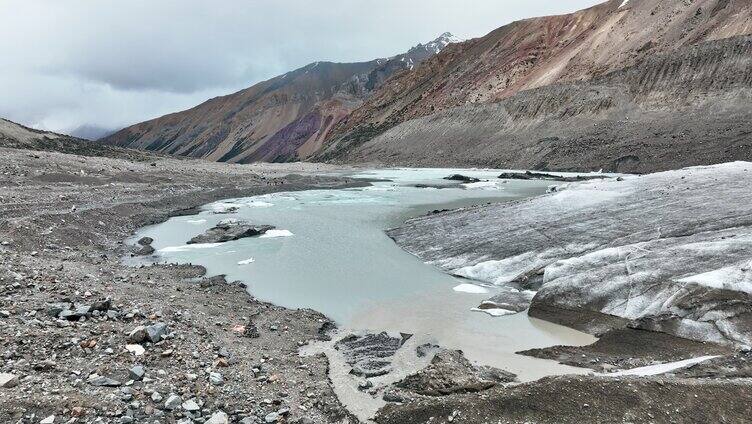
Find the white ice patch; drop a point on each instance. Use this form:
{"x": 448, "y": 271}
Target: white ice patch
{"x": 483, "y": 185}
{"x": 496, "y": 312}
{"x": 659, "y": 368}
{"x": 258, "y": 204}
{"x": 222, "y": 207}
{"x": 247, "y": 261}
{"x": 277, "y": 233}
{"x": 624, "y": 3}
{"x": 581, "y": 197}
{"x": 379, "y": 188}
{"x": 188, "y": 247}
{"x": 736, "y": 277}
{"x": 196, "y": 221}
{"x": 470, "y": 288}
{"x": 499, "y": 272}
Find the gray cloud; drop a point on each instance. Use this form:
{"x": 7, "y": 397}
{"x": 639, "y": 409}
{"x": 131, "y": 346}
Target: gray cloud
{"x": 109, "y": 63}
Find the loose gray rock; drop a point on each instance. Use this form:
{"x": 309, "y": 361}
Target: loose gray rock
{"x": 271, "y": 418}
{"x": 138, "y": 334}
{"x": 191, "y": 406}
{"x": 156, "y": 332}
{"x": 102, "y": 381}
{"x": 216, "y": 379}
{"x": 173, "y": 402}
{"x": 136, "y": 373}
{"x": 8, "y": 380}
{"x": 218, "y": 417}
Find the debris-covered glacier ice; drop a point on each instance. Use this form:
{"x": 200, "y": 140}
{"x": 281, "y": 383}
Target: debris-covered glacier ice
{"x": 670, "y": 251}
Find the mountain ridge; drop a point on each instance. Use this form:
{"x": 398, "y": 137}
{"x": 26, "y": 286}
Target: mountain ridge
{"x": 284, "y": 118}
{"x": 390, "y": 111}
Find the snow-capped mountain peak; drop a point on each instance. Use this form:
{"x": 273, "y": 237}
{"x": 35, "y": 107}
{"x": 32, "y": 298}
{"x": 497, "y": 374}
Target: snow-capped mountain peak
{"x": 438, "y": 44}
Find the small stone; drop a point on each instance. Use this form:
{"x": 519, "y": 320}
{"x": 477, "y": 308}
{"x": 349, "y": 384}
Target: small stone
{"x": 138, "y": 334}
{"x": 156, "y": 332}
{"x": 156, "y": 397}
{"x": 78, "y": 411}
{"x": 271, "y": 418}
{"x": 392, "y": 397}
{"x": 145, "y": 241}
{"x": 5, "y": 314}
{"x": 136, "y": 350}
{"x": 365, "y": 385}
{"x": 136, "y": 373}
{"x": 191, "y": 406}
{"x": 102, "y": 381}
{"x": 216, "y": 379}
{"x": 173, "y": 402}
{"x": 55, "y": 309}
{"x": 48, "y": 420}
{"x": 218, "y": 417}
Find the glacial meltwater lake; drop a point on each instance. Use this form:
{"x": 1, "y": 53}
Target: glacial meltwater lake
{"x": 330, "y": 253}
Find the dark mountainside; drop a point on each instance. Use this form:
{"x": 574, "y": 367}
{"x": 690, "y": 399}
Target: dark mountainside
{"x": 283, "y": 119}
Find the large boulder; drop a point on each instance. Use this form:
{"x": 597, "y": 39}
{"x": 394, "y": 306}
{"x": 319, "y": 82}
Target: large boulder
{"x": 450, "y": 372}
{"x": 230, "y": 230}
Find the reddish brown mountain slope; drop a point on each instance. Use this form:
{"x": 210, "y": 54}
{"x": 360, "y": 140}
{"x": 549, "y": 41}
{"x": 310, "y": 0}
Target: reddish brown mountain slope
{"x": 285, "y": 118}
{"x": 542, "y": 51}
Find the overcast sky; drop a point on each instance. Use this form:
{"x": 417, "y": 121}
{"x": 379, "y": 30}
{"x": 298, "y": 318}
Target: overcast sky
{"x": 110, "y": 63}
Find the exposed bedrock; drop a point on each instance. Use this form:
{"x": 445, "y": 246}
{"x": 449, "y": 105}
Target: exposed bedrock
{"x": 670, "y": 252}
{"x": 683, "y": 108}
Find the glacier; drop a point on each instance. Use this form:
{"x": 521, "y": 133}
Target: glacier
{"x": 670, "y": 251}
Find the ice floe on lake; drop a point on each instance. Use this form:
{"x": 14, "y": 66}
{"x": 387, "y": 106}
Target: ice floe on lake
{"x": 495, "y": 312}
{"x": 188, "y": 247}
{"x": 226, "y": 207}
{"x": 277, "y": 234}
{"x": 247, "y": 261}
{"x": 484, "y": 185}
{"x": 470, "y": 288}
